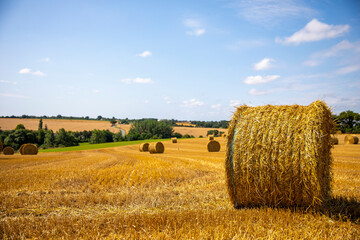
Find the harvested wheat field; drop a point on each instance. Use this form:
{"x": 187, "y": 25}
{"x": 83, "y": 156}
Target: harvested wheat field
{"x": 180, "y": 194}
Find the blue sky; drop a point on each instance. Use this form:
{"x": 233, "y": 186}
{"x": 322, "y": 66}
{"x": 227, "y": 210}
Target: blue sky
{"x": 188, "y": 60}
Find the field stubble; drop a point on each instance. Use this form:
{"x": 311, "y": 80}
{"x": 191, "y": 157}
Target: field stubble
{"x": 181, "y": 194}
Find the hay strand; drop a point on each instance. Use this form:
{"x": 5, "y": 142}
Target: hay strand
{"x": 144, "y": 147}
{"x": 213, "y": 146}
{"x": 279, "y": 155}
{"x": 29, "y": 149}
{"x": 174, "y": 140}
{"x": 8, "y": 151}
{"x": 156, "y": 147}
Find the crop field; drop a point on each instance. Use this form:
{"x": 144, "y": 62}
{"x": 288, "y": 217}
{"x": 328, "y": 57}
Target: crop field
{"x": 81, "y": 125}
{"x": 121, "y": 193}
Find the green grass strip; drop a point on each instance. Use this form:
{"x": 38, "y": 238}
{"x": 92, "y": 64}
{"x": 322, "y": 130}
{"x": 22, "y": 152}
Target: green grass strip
{"x": 88, "y": 146}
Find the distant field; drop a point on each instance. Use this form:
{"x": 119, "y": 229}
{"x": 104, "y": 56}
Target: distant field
{"x": 81, "y": 125}
{"x": 121, "y": 193}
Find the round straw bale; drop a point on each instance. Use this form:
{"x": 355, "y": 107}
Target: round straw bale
{"x": 8, "y": 151}
{"x": 156, "y": 147}
{"x": 21, "y": 148}
{"x": 213, "y": 146}
{"x": 334, "y": 140}
{"x": 211, "y": 137}
{"x": 29, "y": 149}
{"x": 174, "y": 140}
{"x": 356, "y": 139}
{"x": 1, "y": 146}
{"x": 338, "y": 132}
{"x": 279, "y": 155}
{"x": 144, "y": 147}
{"x": 351, "y": 139}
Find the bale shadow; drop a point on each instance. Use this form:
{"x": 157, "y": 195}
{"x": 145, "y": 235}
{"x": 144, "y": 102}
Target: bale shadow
{"x": 342, "y": 208}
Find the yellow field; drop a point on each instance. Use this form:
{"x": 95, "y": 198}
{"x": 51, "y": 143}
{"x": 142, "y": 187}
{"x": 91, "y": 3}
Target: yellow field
{"x": 181, "y": 194}
{"x": 81, "y": 125}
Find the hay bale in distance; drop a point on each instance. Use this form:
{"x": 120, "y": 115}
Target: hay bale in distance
{"x": 8, "y": 151}
{"x": 334, "y": 140}
{"x": 338, "y": 132}
{"x": 29, "y": 149}
{"x": 279, "y": 155}
{"x": 351, "y": 139}
{"x": 21, "y": 149}
{"x": 211, "y": 137}
{"x": 213, "y": 146}
{"x": 174, "y": 140}
{"x": 1, "y": 146}
{"x": 156, "y": 147}
{"x": 144, "y": 147}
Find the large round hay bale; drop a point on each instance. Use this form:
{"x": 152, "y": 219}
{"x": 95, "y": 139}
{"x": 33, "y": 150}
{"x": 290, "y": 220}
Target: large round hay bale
{"x": 8, "y": 151}
{"x": 156, "y": 147}
{"x": 279, "y": 155}
{"x": 144, "y": 147}
{"x": 211, "y": 137}
{"x": 29, "y": 149}
{"x": 21, "y": 148}
{"x": 351, "y": 139}
{"x": 174, "y": 140}
{"x": 213, "y": 146}
{"x": 334, "y": 140}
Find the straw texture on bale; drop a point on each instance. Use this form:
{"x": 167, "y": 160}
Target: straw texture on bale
{"x": 211, "y": 137}
{"x": 213, "y": 146}
{"x": 334, "y": 140}
{"x": 29, "y": 149}
{"x": 174, "y": 140}
{"x": 156, "y": 147}
{"x": 8, "y": 151}
{"x": 279, "y": 155}
{"x": 351, "y": 139}
{"x": 144, "y": 147}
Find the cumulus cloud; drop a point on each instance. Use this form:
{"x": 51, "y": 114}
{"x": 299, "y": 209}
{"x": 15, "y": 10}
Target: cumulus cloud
{"x": 137, "y": 80}
{"x": 145, "y": 54}
{"x": 195, "y": 27}
{"x": 12, "y": 95}
{"x": 264, "y": 64}
{"x": 216, "y": 106}
{"x": 256, "y": 92}
{"x": 348, "y": 69}
{"x": 260, "y": 79}
{"x": 47, "y": 59}
{"x": 28, "y": 71}
{"x": 315, "y": 31}
{"x": 192, "y": 103}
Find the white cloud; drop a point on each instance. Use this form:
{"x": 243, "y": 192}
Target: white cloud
{"x": 256, "y": 92}
{"x": 146, "y": 101}
{"x": 145, "y": 54}
{"x": 25, "y": 71}
{"x": 234, "y": 103}
{"x": 12, "y": 95}
{"x": 96, "y": 91}
{"x": 47, "y": 59}
{"x": 315, "y": 31}
{"x": 196, "y": 32}
{"x": 270, "y": 12}
{"x": 167, "y": 100}
{"x": 28, "y": 71}
{"x": 260, "y": 79}
{"x": 264, "y": 64}
{"x": 342, "y": 47}
{"x": 216, "y": 106}
{"x": 195, "y": 27}
{"x": 136, "y": 80}
{"x": 9, "y": 82}
{"x": 192, "y": 103}
{"x": 348, "y": 69}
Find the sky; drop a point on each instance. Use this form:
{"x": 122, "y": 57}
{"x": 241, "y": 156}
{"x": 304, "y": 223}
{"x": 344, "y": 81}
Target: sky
{"x": 185, "y": 60}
